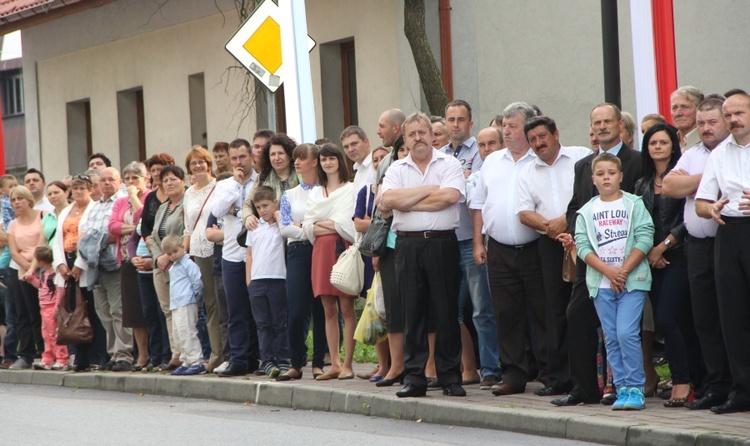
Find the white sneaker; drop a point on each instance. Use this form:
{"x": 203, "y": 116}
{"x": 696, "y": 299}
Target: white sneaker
{"x": 222, "y": 368}
{"x": 41, "y": 366}
{"x": 60, "y": 367}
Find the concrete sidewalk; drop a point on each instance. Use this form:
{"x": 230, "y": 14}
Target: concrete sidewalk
{"x": 524, "y": 413}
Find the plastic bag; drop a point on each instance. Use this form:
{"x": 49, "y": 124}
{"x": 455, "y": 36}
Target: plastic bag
{"x": 377, "y": 285}
{"x": 370, "y": 328}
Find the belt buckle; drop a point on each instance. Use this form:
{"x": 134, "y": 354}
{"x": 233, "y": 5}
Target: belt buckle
{"x": 426, "y": 234}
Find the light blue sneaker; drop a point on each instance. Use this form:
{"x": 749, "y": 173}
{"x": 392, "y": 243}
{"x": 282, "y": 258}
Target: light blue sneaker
{"x": 622, "y": 398}
{"x": 179, "y": 371}
{"x": 636, "y": 400}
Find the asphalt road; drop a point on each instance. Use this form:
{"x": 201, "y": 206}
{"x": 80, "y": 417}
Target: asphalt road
{"x": 41, "y": 415}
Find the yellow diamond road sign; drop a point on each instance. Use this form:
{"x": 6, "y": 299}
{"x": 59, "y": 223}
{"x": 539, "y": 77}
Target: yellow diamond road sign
{"x": 265, "y": 45}
{"x": 257, "y": 44}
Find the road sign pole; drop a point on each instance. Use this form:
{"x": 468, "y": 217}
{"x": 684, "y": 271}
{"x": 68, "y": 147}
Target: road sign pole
{"x": 298, "y": 98}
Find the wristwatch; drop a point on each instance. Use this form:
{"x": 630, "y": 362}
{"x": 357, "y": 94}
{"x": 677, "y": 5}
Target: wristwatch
{"x": 667, "y": 242}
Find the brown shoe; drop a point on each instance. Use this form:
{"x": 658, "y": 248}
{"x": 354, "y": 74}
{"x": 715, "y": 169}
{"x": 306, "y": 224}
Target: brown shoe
{"x": 6, "y": 364}
{"x": 504, "y": 389}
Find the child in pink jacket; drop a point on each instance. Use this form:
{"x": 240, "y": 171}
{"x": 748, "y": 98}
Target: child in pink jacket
{"x": 55, "y": 357}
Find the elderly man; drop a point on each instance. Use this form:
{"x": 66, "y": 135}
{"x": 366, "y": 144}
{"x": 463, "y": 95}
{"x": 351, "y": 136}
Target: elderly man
{"x": 724, "y": 196}
{"x": 425, "y": 190}
{"x": 683, "y": 182}
{"x": 107, "y": 293}
{"x": 684, "y": 105}
{"x": 440, "y": 136}
{"x": 513, "y": 264}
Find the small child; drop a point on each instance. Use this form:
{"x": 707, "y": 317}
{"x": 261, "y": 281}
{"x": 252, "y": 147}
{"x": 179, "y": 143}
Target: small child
{"x": 614, "y": 231}
{"x": 55, "y": 357}
{"x": 266, "y": 281}
{"x": 185, "y": 290}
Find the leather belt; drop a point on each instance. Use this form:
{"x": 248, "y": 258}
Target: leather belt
{"x": 425, "y": 234}
{"x": 692, "y": 239}
{"x": 735, "y": 220}
{"x": 518, "y": 247}
{"x": 299, "y": 242}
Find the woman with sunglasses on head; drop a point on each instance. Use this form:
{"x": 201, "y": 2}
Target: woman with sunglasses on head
{"x": 71, "y": 268}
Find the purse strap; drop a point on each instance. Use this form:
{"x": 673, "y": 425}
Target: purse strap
{"x": 204, "y": 204}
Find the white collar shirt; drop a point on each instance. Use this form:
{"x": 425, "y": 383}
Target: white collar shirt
{"x": 495, "y": 195}
{"x": 726, "y": 176}
{"x": 442, "y": 170}
{"x": 693, "y": 161}
{"x": 267, "y": 248}
{"x": 229, "y": 192}
{"x": 546, "y": 189}
{"x": 467, "y": 153}
{"x": 365, "y": 174}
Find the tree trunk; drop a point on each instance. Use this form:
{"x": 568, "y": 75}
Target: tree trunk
{"x": 429, "y": 75}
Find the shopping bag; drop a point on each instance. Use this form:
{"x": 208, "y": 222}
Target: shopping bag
{"x": 370, "y": 328}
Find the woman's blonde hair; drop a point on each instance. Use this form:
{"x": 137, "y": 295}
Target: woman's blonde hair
{"x": 25, "y": 193}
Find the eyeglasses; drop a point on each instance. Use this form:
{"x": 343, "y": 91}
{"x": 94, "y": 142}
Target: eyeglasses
{"x": 197, "y": 163}
{"x": 132, "y": 178}
{"x": 81, "y": 177}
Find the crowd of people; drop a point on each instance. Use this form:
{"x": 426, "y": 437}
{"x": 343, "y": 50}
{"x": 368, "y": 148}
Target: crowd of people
{"x": 509, "y": 257}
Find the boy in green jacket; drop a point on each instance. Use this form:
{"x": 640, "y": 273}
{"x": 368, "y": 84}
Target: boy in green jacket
{"x": 614, "y": 232}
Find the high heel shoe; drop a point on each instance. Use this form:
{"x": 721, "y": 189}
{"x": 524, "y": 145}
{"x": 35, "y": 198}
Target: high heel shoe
{"x": 680, "y": 402}
{"x": 387, "y": 382}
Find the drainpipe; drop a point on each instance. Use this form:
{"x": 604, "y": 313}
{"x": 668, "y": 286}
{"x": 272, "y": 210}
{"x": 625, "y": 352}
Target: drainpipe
{"x": 446, "y": 48}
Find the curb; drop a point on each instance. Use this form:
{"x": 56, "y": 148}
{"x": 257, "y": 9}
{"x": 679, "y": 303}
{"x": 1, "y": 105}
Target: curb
{"x": 304, "y": 397}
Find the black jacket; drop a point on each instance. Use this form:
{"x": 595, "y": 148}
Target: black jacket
{"x": 583, "y": 186}
{"x": 670, "y": 214}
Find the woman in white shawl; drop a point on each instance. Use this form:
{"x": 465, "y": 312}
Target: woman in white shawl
{"x": 328, "y": 225}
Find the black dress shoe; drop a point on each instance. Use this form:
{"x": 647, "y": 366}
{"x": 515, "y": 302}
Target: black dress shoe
{"x": 708, "y": 401}
{"x": 454, "y": 390}
{"x": 571, "y": 400}
{"x": 550, "y": 391}
{"x": 388, "y": 382}
{"x": 234, "y": 370}
{"x": 410, "y": 391}
{"x": 433, "y": 383}
{"x": 609, "y": 399}
{"x": 731, "y": 406}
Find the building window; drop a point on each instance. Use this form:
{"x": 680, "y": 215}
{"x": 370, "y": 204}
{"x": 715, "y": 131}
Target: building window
{"x": 349, "y": 83}
{"x": 12, "y": 93}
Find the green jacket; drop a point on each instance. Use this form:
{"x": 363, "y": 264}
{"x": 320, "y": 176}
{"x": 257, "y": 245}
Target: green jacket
{"x": 640, "y": 236}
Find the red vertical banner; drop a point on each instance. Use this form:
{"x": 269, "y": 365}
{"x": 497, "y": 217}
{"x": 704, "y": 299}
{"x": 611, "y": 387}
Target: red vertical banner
{"x": 664, "y": 53}
{"x": 2, "y": 139}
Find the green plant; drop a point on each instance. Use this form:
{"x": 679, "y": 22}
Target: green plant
{"x": 362, "y": 353}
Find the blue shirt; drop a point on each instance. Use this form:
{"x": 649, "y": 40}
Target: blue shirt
{"x": 185, "y": 285}
{"x": 613, "y": 151}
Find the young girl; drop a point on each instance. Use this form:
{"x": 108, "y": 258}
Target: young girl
{"x": 55, "y": 357}
{"x": 614, "y": 231}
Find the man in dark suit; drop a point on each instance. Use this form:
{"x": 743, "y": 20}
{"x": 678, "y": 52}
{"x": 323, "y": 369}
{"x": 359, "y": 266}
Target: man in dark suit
{"x": 606, "y": 120}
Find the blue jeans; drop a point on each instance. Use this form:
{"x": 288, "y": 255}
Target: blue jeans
{"x": 6, "y": 296}
{"x": 242, "y": 332}
{"x": 302, "y": 303}
{"x": 476, "y": 286}
{"x": 620, "y": 315}
{"x": 202, "y": 328}
{"x": 158, "y": 339}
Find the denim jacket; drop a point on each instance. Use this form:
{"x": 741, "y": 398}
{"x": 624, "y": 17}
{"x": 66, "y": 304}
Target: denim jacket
{"x": 640, "y": 236}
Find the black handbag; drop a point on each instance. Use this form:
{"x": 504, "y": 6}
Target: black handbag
{"x": 373, "y": 243}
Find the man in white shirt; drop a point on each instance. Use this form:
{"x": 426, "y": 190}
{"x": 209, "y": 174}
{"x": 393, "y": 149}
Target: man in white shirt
{"x": 356, "y": 145}
{"x": 513, "y": 263}
{"x": 545, "y": 188}
{"x": 724, "y": 196}
{"x": 34, "y": 181}
{"x": 474, "y": 282}
{"x": 683, "y": 182}
{"x": 231, "y": 194}
{"x": 425, "y": 190}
